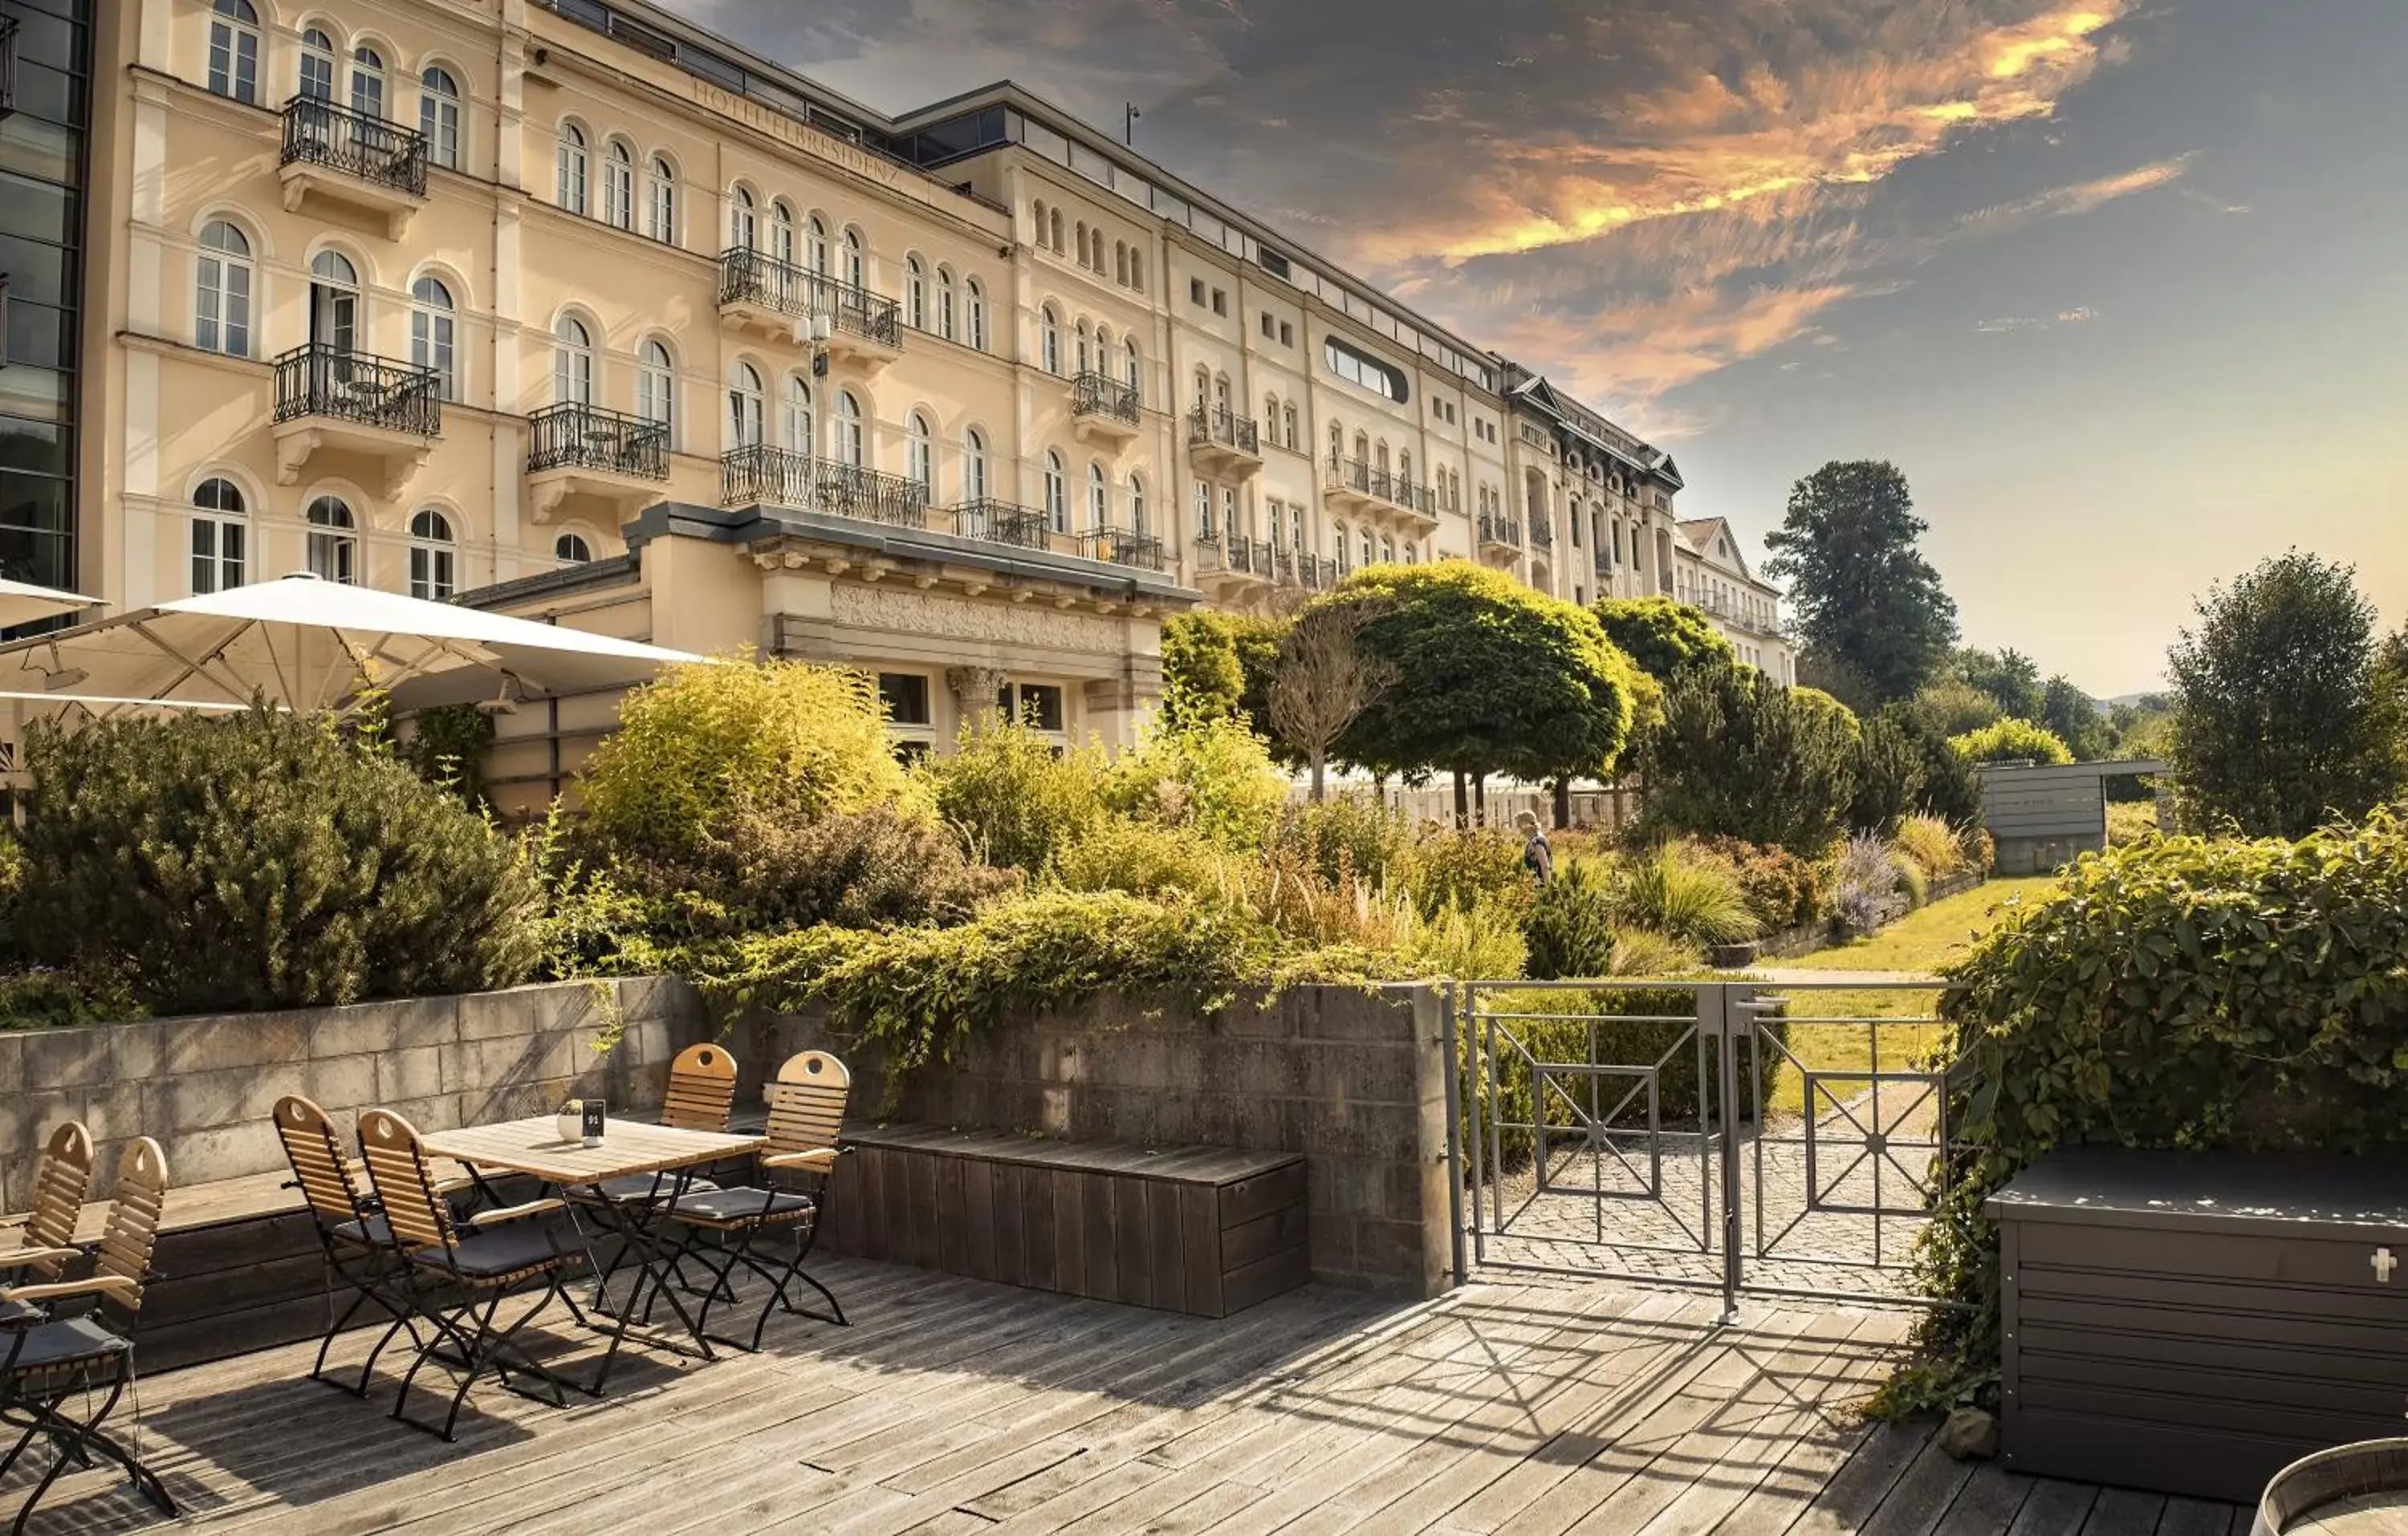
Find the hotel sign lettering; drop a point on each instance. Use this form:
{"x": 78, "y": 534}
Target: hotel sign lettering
{"x": 812, "y": 141}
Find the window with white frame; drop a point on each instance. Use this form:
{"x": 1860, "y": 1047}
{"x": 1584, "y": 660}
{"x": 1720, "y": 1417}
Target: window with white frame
{"x": 945, "y": 305}
{"x": 1230, "y": 510}
{"x": 438, "y": 116}
{"x": 572, "y": 362}
{"x": 1049, "y": 340}
{"x": 1087, "y": 358}
{"x": 656, "y": 388}
{"x": 1141, "y": 518}
{"x": 1337, "y": 543}
{"x": 663, "y": 197}
{"x": 856, "y": 265}
{"x": 221, "y": 291}
{"x": 1099, "y": 499}
{"x": 915, "y": 294}
{"x": 367, "y": 82}
{"x": 317, "y": 66}
{"x": 1057, "y": 493}
{"x": 798, "y": 428}
{"x": 815, "y": 246}
{"x": 619, "y": 186}
{"x": 1204, "y": 529}
{"x": 570, "y": 163}
{"x": 1136, "y": 365}
{"x": 782, "y": 233}
{"x": 431, "y": 552}
{"x": 974, "y": 473}
{"x": 851, "y": 442}
{"x": 572, "y": 548}
{"x": 919, "y": 454}
{"x": 743, "y": 226}
{"x": 234, "y": 51}
{"x": 221, "y": 531}
{"x": 974, "y": 298}
{"x": 334, "y": 549}
{"x": 431, "y": 319}
{"x": 745, "y": 407}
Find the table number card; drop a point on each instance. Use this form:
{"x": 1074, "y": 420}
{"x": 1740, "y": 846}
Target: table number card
{"x": 594, "y": 1121}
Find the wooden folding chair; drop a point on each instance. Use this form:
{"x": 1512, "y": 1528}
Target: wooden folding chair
{"x": 807, "y": 1106}
{"x": 60, "y": 1180}
{"x": 701, "y": 1097}
{"x": 457, "y": 1282}
{"x": 352, "y": 1231}
{"x": 51, "y": 1360}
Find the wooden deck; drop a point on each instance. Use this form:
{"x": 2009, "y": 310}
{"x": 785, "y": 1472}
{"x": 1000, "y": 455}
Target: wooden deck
{"x": 958, "y": 1408}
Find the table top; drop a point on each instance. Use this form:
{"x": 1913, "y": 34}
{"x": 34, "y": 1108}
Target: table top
{"x": 533, "y": 1146}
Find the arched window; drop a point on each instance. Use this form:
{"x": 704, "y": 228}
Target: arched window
{"x": 1037, "y": 217}
{"x": 1287, "y": 413}
{"x": 945, "y": 302}
{"x": 317, "y": 66}
{"x": 1364, "y": 547}
{"x": 745, "y": 407}
{"x": 1338, "y": 541}
{"x": 431, "y": 555}
{"x": 1099, "y": 499}
{"x": 782, "y": 233}
{"x": 1203, "y": 387}
{"x": 1141, "y": 520}
{"x": 851, "y": 445}
{"x": 1412, "y": 556}
{"x": 1053, "y": 228}
{"x": 1387, "y": 550}
{"x": 572, "y": 362}
{"x": 919, "y": 454}
{"x": 221, "y": 291}
{"x": 1380, "y": 456}
{"x": 857, "y": 271}
{"x": 1277, "y": 524}
{"x": 1221, "y": 390}
{"x": 431, "y": 335}
{"x": 1086, "y": 349}
{"x": 1337, "y": 443}
{"x": 1057, "y": 493}
{"x": 1120, "y": 263}
{"x": 619, "y": 187}
{"x": 743, "y": 227}
{"x": 334, "y": 548}
{"x": 915, "y": 294}
{"x": 815, "y": 246}
{"x": 1136, "y": 367}
{"x": 974, "y": 476}
{"x": 334, "y": 302}
{"x": 796, "y": 425}
{"x": 572, "y": 548}
{"x": 1049, "y": 340}
{"x": 220, "y": 531}
{"x": 367, "y": 82}
{"x": 571, "y": 155}
{"x": 1136, "y": 270}
{"x": 1079, "y": 233}
{"x": 1405, "y": 465}
{"x": 1204, "y": 509}
{"x": 1270, "y": 415}
{"x": 1362, "y": 448}
{"x": 234, "y": 51}
{"x": 656, "y": 389}
{"x": 662, "y": 198}
{"x": 438, "y": 116}
{"x": 975, "y": 297}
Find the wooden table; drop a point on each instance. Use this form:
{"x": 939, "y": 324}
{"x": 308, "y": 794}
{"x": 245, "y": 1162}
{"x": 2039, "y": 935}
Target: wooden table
{"x": 533, "y": 1147}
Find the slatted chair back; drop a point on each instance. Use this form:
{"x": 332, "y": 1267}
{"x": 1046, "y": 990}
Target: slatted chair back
{"x": 316, "y": 1154}
{"x": 133, "y": 1229}
{"x": 61, "y": 1181}
{"x": 806, "y": 1103}
{"x": 702, "y": 1089}
{"x": 397, "y": 1167}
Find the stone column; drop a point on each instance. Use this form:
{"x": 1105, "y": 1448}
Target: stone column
{"x": 974, "y": 690}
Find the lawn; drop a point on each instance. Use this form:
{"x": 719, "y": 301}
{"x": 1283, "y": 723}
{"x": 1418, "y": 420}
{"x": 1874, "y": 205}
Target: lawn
{"x": 1918, "y": 943}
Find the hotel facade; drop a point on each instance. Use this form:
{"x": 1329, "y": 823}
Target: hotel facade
{"x": 588, "y": 314}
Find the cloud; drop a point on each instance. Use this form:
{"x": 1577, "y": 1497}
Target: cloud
{"x": 2081, "y": 315}
{"x": 2080, "y": 197}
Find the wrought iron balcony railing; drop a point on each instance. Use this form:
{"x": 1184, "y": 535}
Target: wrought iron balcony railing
{"x": 747, "y": 276}
{"x": 1218, "y": 426}
{"x": 1094, "y": 393}
{"x": 1357, "y": 476}
{"x": 1542, "y": 535}
{"x": 318, "y": 380}
{"x": 325, "y": 132}
{"x": 780, "y": 477}
{"x": 1238, "y": 555}
{"x": 1499, "y": 530}
{"x": 570, "y": 436}
{"x": 1003, "y": 523}
{"x": 1121, "y": 547}
{"x": 1296, "y": 569}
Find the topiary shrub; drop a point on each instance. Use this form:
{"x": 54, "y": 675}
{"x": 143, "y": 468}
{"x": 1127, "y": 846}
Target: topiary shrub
{"x": 2012, "y": 740}
{"x": 786, "y": 739}
{"x": 261, "y": 861}
{"x": 2173, "y": 993}
{"x": 1738, "y": 756}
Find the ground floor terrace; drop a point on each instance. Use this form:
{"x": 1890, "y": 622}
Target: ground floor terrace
{"x": 954, "y": 1406}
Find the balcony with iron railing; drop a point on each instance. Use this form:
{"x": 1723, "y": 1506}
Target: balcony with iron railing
{"x": 1542, "y": 536}
{"x": 1120, "y": 547}
{"x": 1294, "y": 568}
{"x": 1003, "y": 523}
{"x": 780, "y": 477}
{"x": 353, "y": 162}
{"x": 1353, "y": 485}
{"x": 760, "y": 292}
{"x": 1222, "y": 442}
{"x": 1104, "y": 409}
{"x": 1231, "y": 561}
{"x": 1500, "y": 535}
{"x": 333, "y": 400}
{"x": 580, "y": 450}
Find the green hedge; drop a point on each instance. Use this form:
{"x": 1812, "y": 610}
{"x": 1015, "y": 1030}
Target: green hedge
{"x": 2173, "y": 993}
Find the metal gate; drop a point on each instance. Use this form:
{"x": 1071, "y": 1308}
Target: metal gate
{"x": 1732, "y": 1136}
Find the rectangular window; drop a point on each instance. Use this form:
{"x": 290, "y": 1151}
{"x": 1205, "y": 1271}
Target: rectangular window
{"x": 1220, "y": 301}
{"x": 1269, "y": 326}
{"x": 217, "y": 555}
{"x": 906, "y": 698}
{"x": 1196, "y": 289}
{"x": 1287, "y": 334}
{"x": 1041, "y": 706}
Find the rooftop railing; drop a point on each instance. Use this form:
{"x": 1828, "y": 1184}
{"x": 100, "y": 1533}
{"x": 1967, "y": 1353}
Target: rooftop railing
{"x": 780, "y": 477}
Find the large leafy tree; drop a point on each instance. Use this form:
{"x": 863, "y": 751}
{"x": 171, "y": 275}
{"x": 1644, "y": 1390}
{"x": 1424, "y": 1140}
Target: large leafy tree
{"x": 2010, "y": 678}
{"x": 2277, "y": 721}
{"x": 1490, "y": 677}
{"x": 1870, "y": 607}
{"x": 1740, "y": 757}
{"x": 2074, "y": 716}
{"x": 1663, "y": 637}
{"x": 1216, "y": 663}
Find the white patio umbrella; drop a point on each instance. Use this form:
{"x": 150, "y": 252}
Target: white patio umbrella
{"x": 305, "y": 644}
{"x": 23, "y": 602}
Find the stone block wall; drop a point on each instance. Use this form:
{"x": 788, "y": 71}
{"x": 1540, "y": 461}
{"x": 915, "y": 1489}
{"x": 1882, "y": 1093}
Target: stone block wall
{"x": 205, "y": 1087}
{"x": 1353, "y": 1080}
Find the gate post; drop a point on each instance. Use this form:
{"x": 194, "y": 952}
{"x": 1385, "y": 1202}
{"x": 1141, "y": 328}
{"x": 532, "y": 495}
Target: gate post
{"x": 1454, "y": 1077}
{"x": 1731, "y": 1022}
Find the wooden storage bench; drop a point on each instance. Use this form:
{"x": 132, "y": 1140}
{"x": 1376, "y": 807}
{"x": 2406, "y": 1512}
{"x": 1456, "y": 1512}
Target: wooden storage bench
{"x": 1196, "y": 1229}
{"x": 2191, "y": 1323}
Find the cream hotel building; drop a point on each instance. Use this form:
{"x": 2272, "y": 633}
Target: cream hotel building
{"x": 574, "y": 309}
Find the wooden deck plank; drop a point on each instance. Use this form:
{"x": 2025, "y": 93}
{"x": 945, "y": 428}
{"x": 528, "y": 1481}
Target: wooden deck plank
{"x": 2124, "y": 1512}
{"x": 2054, "y": 1507}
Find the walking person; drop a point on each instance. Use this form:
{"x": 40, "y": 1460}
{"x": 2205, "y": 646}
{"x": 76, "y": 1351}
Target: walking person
{"x": 1536, "y": 856}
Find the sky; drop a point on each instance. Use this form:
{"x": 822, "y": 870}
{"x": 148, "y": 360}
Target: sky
{"x": 2118, "y": 284}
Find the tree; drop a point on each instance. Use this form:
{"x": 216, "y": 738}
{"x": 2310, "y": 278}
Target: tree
{"x": 1905, "y": 763}
{"x": 1216, "y": 663}
{"x": 1662, "y": 636}
{"x": 1816, "y": 699}
{"x": 1325, "y": 680}
{"x": 2012, "y": 740}
{"x": 1491, "y": 678}
{"x": 1740, "y": 757}
{"x": 2074, "y": 716}
{"x": 1955, "y": 705}
{"x": 1868, "y": 604}
{"x": 2010, "y": 678}
{"x": 2277, "y": 723}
